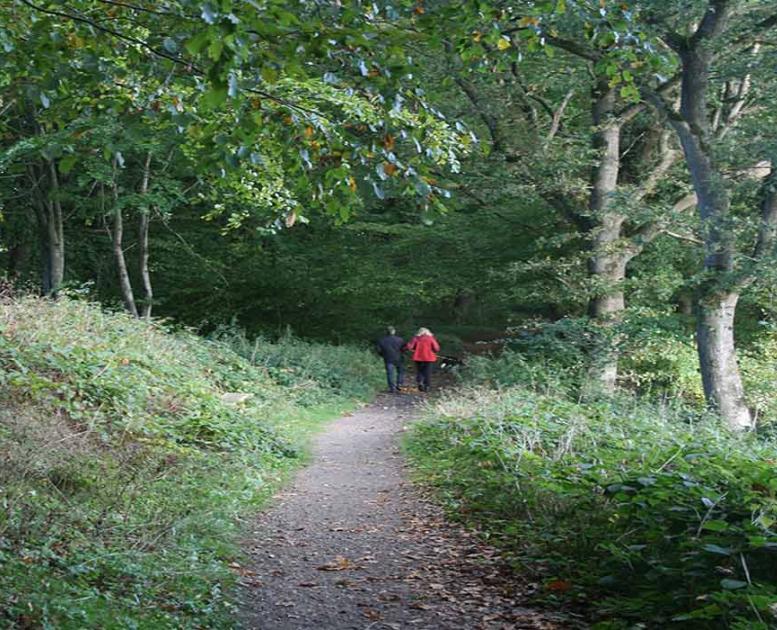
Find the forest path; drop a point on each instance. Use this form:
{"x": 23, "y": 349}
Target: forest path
{"x": 352, "y": 544}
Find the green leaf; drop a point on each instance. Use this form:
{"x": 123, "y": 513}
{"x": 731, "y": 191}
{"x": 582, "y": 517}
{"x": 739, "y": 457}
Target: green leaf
{"x": 715, "y": 526}
{"x": 722, "y": 551}
{"x": 732, "y": 585}
{"x": 67, "y": 163}
{"x": 269, "y": 74}
{"x": 215, "y": 97}
{"x": 215, "y": 49}
{"x": 198, "y": 42}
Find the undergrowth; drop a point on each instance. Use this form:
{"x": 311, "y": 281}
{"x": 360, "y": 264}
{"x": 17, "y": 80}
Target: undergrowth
{"x": 124, "y": 469}
{"x": 644, "y": 514}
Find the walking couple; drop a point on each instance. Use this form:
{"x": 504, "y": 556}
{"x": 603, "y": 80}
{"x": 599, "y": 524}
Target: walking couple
{"x": 423, "y": 346}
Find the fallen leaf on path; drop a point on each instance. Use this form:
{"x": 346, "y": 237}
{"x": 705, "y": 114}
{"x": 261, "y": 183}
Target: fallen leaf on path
{"x": 343, "y": 583}
{"x": 252, "y": 582}
{"x": 559, "y": 586}
{"x": 372, "y": 614}
{"x": 340, "y": 564}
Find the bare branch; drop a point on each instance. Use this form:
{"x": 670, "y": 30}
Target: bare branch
{"x": 555, "y": 124}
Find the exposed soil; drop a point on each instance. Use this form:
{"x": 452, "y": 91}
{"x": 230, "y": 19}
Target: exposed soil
{"x": 353, "y": 544}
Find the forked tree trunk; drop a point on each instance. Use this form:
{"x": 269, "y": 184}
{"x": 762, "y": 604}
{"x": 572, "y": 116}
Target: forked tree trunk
{"x": 117, "y": 236}
{"x": 125, "y": 285}
{"x": 718, "y": 361}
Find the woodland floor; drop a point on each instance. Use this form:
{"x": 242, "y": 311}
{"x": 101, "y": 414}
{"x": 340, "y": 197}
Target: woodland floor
{"x": 351, "y": 543}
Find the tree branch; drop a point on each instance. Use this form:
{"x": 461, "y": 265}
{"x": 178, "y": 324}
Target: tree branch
{"x": 555, "y": 124}
{"x": 489, "y": 120}
{"x": 189, "y": 65}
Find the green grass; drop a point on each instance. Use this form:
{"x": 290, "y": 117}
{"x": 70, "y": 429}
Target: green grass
{"x": 124, "y": 475}
{"x": 635, "y": 512}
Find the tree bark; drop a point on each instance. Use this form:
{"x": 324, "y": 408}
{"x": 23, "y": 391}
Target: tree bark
{"x": 125, "y": 285}
{"x": 52, "y": 232}
{"x": 145, "y": 275}
{"x": 143, "y": 228}
{"x": 722, "y": 383}
{"x": 43, "y": 246}
{"x": 607, "y": 262}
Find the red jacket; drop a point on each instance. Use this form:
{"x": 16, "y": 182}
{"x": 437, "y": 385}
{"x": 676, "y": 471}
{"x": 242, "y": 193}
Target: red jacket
{"x": 424, "y": 348}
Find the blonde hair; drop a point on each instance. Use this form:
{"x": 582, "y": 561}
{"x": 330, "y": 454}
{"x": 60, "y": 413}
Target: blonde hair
{"x": 422, "y": 332}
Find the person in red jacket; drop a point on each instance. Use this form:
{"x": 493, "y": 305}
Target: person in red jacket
{"x": 423, "y": 346}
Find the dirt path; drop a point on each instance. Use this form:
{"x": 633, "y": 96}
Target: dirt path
{"x": 352, "y": 544}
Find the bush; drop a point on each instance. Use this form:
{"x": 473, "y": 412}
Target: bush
{"x": 647, "y": 513}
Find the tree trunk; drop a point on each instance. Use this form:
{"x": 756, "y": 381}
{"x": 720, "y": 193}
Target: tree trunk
{"x": 145, "y": 219}
{"x": 717, "y": 358}
{"x": 125, "y": 285}
{"x": 56, "y": 247}
{"x": 43, "y": 247}
{"x": 54, "y": 236}
{"x": 145, "y": 276}
{"x": 606, "y": 310}
{"x": 606, "y": 265}
{"x": 716, "y": 304}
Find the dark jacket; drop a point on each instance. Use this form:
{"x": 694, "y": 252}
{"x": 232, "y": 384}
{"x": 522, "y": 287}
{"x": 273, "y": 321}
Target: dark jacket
{"x": 390, "y": 348}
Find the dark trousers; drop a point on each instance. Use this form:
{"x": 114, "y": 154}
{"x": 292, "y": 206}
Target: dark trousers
{"x": 400, "y": 371}
{"x": 423, "y": 374}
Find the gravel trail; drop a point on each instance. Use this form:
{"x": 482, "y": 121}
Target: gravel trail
{"x": 352, "y": 544}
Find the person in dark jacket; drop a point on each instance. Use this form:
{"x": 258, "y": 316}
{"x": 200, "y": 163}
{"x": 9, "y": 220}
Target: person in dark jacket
{"x": 390, "y": 348}
{"x": 424, "y": 348}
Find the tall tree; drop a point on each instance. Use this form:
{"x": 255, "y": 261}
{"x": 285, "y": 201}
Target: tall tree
{"x": 572, "y": 152}
{"x": 726, "y": 29}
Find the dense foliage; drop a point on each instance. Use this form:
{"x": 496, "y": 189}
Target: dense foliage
{"x": 646, "y": 513}
{"x": 125, "y": 466}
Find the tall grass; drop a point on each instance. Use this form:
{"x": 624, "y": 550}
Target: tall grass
{"x": 123, "y": 467}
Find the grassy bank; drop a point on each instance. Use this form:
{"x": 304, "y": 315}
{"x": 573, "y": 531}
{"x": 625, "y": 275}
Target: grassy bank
{"x": 636, "y": 513}
{"x": 124, "y": 469}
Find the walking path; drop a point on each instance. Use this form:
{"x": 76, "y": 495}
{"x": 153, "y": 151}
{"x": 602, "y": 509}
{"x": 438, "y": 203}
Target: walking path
{"x": 352, "y": 544}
